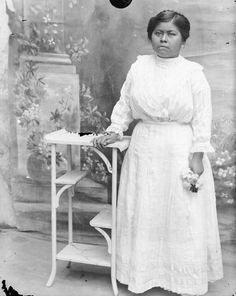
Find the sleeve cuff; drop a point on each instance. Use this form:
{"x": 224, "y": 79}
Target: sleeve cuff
{"x": 115, "y": 129}
{"x": 202, "y": 147}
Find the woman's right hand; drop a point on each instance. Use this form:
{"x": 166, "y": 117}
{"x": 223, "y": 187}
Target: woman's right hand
{"x": 103, "y": 141}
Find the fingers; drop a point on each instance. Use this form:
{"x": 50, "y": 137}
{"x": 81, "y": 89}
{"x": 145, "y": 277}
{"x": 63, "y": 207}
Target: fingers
{"x": 199, "y": 171}
{"x": 101, "y": 142}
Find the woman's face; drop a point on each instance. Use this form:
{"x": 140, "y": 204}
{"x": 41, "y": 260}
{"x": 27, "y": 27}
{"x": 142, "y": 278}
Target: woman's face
{"x": 167, "y": 40}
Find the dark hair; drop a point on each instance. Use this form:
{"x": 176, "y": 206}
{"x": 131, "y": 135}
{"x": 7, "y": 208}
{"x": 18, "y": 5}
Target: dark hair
{"x": 179, "y": 20}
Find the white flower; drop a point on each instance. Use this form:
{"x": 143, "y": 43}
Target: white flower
{"x": 224, "y": 195}
{"x": 186, "y": 185}
{"x": 229, "y": 183}
{"x": 189, "y": 179}
{"x": 230, "y": 201}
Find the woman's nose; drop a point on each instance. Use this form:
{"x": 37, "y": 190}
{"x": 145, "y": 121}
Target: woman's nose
{"x": 163, "y": 37}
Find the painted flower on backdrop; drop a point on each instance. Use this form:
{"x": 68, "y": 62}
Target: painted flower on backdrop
{"x": 64, "y": 97}
{"x": 73, "y": 3}
{"x": 224, "y": 159}
{"x": 30, "y": 117}
{"x": 77, "y": 49}
{"x": 49, "y": 35}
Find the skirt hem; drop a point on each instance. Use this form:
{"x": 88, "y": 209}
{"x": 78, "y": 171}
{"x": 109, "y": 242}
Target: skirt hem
{"x": 155, "y": 283}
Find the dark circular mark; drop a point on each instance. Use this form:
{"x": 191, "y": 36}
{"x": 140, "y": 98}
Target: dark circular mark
{"x": 82, "y": 275}
{"x": 120, "y": 3}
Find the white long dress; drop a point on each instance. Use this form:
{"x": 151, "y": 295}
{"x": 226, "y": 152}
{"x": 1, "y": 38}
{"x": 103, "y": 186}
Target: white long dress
{"x": 166, "y": 236}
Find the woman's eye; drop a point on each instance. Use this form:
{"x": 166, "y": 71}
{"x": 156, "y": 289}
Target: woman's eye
{"x": 157, "y": 33}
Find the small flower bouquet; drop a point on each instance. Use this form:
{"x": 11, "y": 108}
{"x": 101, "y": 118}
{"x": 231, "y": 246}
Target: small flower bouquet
{"x": 190, "y": 180}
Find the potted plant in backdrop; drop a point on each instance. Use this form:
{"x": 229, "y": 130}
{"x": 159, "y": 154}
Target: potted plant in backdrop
{"x": 30, "y": 91}
{"x": 94, "y": 120}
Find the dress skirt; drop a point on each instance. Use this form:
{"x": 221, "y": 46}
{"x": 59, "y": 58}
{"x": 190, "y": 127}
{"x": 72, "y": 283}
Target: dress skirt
{"x": 166, "y": 236}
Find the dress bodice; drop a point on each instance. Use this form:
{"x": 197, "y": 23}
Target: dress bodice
{"x": 166, "y": 89}
{"x": 161, "y": 88}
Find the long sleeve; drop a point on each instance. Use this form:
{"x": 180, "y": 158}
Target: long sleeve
{"x": 121, "y": 115}
{"x": 202, "y": 113}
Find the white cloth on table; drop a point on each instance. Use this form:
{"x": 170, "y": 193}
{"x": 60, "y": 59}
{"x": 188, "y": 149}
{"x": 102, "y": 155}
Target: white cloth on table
{"x": 166, "y": 236}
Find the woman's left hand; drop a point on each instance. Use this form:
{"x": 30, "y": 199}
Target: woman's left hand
{"x": 104, "y": 140}
{"x": 196, "y": 164}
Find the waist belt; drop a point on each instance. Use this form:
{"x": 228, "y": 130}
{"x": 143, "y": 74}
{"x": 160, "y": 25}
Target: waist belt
{"x": 156, "y": 122}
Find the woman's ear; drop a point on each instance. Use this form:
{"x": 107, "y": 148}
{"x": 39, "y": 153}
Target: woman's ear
{"x": 183, "y": 44}
{"x": 149, "y": 40}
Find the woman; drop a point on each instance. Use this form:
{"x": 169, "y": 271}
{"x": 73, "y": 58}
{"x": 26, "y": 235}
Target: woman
{"x": 167, "y": 236}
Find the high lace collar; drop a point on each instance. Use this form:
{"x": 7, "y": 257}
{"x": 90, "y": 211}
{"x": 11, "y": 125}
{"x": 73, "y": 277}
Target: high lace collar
{"x": 165, "y": 62}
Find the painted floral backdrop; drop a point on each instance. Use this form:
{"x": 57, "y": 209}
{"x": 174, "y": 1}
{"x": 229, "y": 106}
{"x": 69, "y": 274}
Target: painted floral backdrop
{"x": 102, "y": 42}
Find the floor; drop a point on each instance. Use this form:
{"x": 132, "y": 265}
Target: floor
{"x": 25, "y": 265}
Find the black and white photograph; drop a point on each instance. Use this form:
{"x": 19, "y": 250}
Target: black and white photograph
{"x": 117, "y": 148}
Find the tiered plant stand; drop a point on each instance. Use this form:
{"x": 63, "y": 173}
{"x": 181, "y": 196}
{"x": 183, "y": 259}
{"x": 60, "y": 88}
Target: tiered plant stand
{"x": 105, "y": 219}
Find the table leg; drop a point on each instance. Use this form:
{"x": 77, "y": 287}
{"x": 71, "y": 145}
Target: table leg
{"x": 113, "y": 230}
{"x": 53, "y": 215}
{"x": 70, "y": 195}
